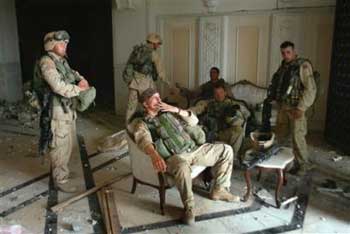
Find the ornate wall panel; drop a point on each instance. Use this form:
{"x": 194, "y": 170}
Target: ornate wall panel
{"x": 210, "y": 45}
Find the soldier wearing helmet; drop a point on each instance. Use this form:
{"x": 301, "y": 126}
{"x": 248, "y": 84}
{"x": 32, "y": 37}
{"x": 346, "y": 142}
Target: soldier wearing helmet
{"x": 143, "y": 68}
{"x": 58, "y": 87}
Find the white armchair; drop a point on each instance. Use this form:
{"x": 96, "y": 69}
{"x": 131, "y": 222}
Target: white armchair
{"x": 144, "y": 173}
{"x": 254, "y": 96}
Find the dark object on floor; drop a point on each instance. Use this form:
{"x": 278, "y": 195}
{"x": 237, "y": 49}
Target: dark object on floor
{"x": 258, "y": 157}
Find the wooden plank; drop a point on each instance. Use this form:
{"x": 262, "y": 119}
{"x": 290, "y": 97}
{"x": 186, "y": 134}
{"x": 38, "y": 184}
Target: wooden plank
{"x": 61, "y": 206}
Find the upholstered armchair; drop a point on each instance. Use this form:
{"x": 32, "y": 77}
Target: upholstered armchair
{"x": 253, "y": 96}
{"x": 144, "y": 173}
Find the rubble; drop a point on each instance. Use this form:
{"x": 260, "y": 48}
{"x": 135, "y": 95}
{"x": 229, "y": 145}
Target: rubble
{"x": 20, "y": 111}
{"x": 337, "y": 158}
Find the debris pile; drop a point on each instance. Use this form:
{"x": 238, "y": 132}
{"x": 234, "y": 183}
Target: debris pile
{"x": 20, "y": 111}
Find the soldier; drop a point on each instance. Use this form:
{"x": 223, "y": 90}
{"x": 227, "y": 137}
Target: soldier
{"x": 162, "y": 134}
{"x": 56, "y": 85}
{"x": 206, "y": 90}
{"x": 293, "y": 87}
{"x": 223, "y": 118}
{"x": 143, "y": 68}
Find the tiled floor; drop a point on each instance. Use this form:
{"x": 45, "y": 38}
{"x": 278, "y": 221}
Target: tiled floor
{"x": 139, "y": 212}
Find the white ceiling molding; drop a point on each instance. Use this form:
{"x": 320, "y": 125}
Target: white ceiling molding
{"x": 123, "y": 5}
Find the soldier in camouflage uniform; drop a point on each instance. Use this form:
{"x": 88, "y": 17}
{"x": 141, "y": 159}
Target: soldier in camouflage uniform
{"x": 293, "y": 87}
{"x": 206, "y": 90}
{"x": 143, "y": 68}
{"x": 223, "y": 118}
{"x": 57, "y": 78}
{"x": 165, "y": 126}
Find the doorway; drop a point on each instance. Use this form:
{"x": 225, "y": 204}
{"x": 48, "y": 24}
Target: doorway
{"x": 90, "y": 51}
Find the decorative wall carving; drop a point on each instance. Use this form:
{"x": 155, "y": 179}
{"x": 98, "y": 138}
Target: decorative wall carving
{"x": 210, "y": 40}
{"x": 211, "y": 5}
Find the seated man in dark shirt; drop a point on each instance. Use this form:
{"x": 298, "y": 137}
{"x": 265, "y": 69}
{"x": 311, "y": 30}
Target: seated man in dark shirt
{"x": 206, "y": 90}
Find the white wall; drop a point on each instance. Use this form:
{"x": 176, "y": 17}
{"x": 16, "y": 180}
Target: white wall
{"x": 241, "y": 37}
{"x": 10, "y": 69}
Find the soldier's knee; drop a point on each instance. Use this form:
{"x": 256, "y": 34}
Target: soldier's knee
{"x": 228, "y": 152}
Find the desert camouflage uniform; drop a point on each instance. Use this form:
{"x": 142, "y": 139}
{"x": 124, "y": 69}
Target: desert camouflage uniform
{"x": 218, "y": 156}
{"x": 62, "y": 123}
{"x": 140, "y": 83}
{"x": 287, "y": 126}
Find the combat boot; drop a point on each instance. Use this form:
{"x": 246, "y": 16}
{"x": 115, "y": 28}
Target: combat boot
{"x": 189, "y": 217}
{"x": 65, "y": 187}
{"x": 223, "y": 195}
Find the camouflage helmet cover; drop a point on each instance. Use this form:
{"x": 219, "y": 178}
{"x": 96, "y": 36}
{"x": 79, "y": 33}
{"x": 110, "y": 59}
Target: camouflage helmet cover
{"x": 154, "y": 38}
{"x": 52, "y": 38}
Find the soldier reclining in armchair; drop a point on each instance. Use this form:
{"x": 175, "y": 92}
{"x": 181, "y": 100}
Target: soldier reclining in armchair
{"x": 166, "y": 133}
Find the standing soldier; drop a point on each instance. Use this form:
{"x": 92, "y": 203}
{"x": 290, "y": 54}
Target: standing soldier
{"x": 58, "y": 87}
{"x": 293, "y": 87}
{"x": 143, "y": 68}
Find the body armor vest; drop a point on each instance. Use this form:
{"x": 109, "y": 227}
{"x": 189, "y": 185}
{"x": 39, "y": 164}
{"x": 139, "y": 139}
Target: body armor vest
{"x": 169, "y": 136}
{"x": 287, "y": 87}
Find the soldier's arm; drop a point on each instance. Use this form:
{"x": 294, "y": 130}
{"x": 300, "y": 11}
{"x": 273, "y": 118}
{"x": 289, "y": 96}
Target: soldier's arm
{"x": 78, "y": 76}
{"x": 53, "y": 78}
{"x": 236, "y": 120}
{"x": 144, "y": 141}
{"x": 159, "y": 65}
{"x": 200, "y": 107}
{"x": 308, "y": 81}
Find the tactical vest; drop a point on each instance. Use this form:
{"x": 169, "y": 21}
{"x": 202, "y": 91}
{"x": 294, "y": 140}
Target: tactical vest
{"x": 169, "y": 135}
{"x": 140, "y": 61}
{"x": 68, "y": 76}
{"x": 217, "y": 113}
{"x": 287, "y": 87}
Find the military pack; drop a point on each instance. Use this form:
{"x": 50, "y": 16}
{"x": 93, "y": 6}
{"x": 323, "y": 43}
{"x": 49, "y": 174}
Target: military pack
{"x": 140, "y": 61}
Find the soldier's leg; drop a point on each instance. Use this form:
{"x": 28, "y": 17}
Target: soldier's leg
{"x": 283, "y": 130}
{"x": 299, "y": 132}
{"x": 61, "y": 149}
{"x": 234, "y": 137}
{"x": 180, "y": 168}
{"x": 132, "y": 104}
{"x": 218, "y": 156}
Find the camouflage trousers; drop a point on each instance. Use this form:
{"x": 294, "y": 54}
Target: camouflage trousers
{"x": 217, "y": 156}
{"x": 136, "y": 87}
{"x": 233, "y": 136}
{"x": 61, "y": 148}
{"x": 291, "y": 131}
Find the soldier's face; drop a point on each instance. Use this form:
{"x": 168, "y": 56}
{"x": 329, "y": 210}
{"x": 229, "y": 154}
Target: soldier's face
{"x": 60, "y": 49}
{"x": 219, "y": 94}
{"x": 288, "y": 54}
{"x": 152, "y": 103}
{"x": 214, "y": 75}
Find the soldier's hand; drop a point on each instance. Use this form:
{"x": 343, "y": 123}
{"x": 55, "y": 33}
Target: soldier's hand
{"x": 83, "y": 83}
{"x": 168, "y": 108}
{"x": 159, "y": 164}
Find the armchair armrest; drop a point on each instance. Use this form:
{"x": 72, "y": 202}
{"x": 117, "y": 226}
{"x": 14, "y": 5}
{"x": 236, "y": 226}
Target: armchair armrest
{"x": 141, "y": 164}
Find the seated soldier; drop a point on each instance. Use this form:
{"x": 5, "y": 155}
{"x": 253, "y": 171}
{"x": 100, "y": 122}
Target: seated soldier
{"x": 162, "y": 134}
{"x": 223, "y": 118}
{"x": 206, "y": 90}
